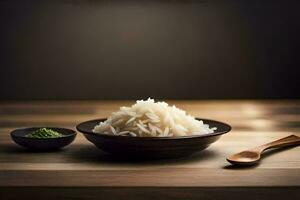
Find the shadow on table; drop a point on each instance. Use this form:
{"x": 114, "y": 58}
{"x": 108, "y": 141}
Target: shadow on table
{"x": 90, "y": 154}
{"x": 93, "y": 155}
{"x": 263, "y": 156}
{"x": 15, "y": 149}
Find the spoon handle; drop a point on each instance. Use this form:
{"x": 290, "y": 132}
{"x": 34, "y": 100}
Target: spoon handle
{"x": 286, "y": 141}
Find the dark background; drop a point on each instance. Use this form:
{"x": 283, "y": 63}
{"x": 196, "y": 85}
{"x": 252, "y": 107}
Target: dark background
{"x": 148, "y": 48}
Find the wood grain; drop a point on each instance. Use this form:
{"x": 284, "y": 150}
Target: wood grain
{"x": 149, "y": 193}
{"x": 81, "y": 165}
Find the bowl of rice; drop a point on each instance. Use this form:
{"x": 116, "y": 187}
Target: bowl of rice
{"x": 150, "y": 129}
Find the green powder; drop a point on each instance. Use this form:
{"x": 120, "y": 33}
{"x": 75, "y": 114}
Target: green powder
{"x": 44, "y": 133}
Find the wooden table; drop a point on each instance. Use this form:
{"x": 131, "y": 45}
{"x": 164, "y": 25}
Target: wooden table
{"x": 83, "y": 171}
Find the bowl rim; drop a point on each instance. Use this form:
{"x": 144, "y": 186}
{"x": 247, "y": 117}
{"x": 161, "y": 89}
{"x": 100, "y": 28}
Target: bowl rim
{"x": 70, "y": 133}
{"x": 78, "y": 128}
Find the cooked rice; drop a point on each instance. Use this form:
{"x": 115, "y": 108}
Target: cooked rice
{"x": 152, "y": 119}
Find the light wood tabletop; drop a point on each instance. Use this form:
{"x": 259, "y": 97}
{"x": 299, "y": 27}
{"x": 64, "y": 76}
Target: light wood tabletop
{"x": 82, "y": 171}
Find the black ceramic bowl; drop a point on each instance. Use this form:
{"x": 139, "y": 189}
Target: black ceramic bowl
{"x": 152, "y": 147}
{"x": 44, "y": 144}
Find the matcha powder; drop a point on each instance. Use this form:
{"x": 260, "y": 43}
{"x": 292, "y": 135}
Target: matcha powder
{"x": 44, "y": 133}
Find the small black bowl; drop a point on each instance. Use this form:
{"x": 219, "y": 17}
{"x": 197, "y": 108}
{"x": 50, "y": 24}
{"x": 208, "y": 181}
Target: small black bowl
{"x": 152, "y": 147}
{"x": 43, "y": 144}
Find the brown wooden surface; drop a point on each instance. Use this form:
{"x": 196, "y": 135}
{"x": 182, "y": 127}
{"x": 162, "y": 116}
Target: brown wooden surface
{"x": 82, "y": 165}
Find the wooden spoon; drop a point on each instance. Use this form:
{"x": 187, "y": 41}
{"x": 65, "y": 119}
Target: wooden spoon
{"x": 252, "y": 156}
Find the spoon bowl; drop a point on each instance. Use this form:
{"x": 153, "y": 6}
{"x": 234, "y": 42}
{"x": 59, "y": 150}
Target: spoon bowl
{"x": 244, "y": 158}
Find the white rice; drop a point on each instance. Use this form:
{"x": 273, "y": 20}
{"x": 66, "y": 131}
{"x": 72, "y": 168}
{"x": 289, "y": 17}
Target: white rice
{"x": 152, "y": 119}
